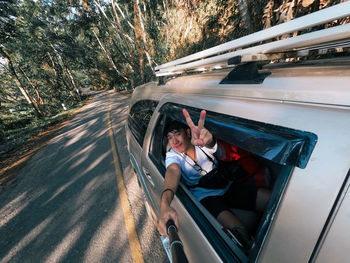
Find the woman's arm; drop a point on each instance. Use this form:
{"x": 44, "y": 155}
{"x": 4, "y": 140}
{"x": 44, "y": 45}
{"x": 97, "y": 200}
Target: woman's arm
{"x": 166, "y": 212}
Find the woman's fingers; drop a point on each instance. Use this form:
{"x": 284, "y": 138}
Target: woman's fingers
{"x": 199, "y": 134}
{"x": 188, "y": 118}
{"x": 190, "y": 122}
{"x": 205, "y": 137}
{"x": 201, "y": 120}
{"x": 162, "y": 225}
{"x": 161, "y": 228}
{"x": 197, "y": 142}
{"x": 170, "y": 214}
{"x": 204, "y": 134}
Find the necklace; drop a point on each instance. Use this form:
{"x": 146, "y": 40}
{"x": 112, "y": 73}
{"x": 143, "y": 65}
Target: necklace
{"x": 195, "y": 165}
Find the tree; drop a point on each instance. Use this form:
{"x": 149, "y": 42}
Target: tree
{"x": 7, "y": 19}
{"x": 19, "y": 84}
{"x": 53, "y": 48}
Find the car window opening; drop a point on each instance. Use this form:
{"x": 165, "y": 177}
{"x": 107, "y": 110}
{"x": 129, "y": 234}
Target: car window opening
{"x": 279, "y": 144}
{"x": 260, "y": 171}
{"x": 267, "y": 153}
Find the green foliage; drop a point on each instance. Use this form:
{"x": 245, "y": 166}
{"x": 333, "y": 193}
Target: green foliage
{"x": 57, "y": 47}
{"x": 7, "y": 19}
{"x": 19, "y": 125}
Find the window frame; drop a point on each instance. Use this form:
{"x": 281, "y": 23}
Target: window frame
{"x": 290, "y": 146}
{"x": 226, "y": 249}
{"x": 139, "y": 131}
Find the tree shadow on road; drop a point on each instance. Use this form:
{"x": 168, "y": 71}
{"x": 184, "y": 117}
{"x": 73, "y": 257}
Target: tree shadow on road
{"x": 65, "y": 206}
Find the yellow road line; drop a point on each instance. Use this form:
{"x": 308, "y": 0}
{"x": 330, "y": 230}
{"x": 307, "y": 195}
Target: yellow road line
{"x": 128, "y": 218}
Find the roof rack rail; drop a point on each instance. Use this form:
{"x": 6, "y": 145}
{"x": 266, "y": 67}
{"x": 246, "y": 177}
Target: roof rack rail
{"x": 226, "y": 54}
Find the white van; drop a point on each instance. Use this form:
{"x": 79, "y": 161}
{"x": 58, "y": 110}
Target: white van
{"x": 293, "y": 117}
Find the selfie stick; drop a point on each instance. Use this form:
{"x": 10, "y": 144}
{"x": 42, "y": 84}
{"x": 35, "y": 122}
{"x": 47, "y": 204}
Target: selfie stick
{"x": 176, "y": 246}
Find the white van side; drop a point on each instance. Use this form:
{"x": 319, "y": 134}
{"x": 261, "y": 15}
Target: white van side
{"x": 294, "y": 119}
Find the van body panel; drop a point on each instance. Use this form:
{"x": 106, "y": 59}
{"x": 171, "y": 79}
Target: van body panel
{"x": 311, "y": 191}
{"x": 315, "y": 99}
{"x": 146, "y": 163}
{"x": 319, "y": 85}
{"x": 337, "y": 238}
{"x": 134, "y": 148}
{"x": 189, "y": 232}
{"x": 135, "y": 159}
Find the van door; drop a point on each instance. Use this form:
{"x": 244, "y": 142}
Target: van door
{"x": 151, "y": 169}
{"x": 196, "y": 245}
{"x": 138, "y": 120}
{"x": 335, "y": 240}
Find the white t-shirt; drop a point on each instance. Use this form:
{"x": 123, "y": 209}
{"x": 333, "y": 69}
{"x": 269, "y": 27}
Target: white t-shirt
{"x": 190, "y": 174}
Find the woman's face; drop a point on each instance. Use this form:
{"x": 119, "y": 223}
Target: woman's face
{"x": 179, "y": 140}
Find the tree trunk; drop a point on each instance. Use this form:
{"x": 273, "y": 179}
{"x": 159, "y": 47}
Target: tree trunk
{"x": 66, "y": 70}
{"x": 267, "y": 19}
{"x": 138, "y": 36}
{"x": 38, "y": 97}
{"x": 243, "y": 8}
{"x": 71, "y": 79}
{"x": 19, "y": 84}
{"x": 138, "y": 16}
{"x": 121, "y": 29}
{"x": 53, "y": 64}
{"x": 60, "y": 63}
{"x": 126, "y": 59}
{"x": 122, "y": 13}
{"x": 109, "y": 58}
{"x": 59, "y": 77}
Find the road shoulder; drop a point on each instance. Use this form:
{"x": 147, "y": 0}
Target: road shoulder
{"x": 16, "y": 159}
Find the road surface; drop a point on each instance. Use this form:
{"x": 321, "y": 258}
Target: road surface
{"x": 71, "y": 202}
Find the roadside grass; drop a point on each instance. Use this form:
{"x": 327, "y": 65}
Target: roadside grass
{"x": 16, "y": 131}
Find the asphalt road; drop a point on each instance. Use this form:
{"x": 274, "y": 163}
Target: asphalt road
{"x": 65, "y": 204}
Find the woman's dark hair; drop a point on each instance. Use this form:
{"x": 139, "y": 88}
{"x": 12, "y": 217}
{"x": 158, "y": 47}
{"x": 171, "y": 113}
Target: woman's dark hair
{"x": 174, "y": 125}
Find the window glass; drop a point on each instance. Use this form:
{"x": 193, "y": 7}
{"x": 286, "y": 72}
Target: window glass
{"x": 139, "y": 117}
{"x": 158, "y": 144}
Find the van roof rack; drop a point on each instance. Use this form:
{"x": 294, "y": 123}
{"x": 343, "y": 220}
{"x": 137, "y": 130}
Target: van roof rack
{"x": 241, "y": 50}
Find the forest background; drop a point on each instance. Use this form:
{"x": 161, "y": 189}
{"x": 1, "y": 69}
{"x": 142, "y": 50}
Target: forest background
{"x": 52, "y": 49}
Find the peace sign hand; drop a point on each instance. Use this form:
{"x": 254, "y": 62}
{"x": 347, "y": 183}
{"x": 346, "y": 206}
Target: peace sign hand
{"x": 200, "y": 135}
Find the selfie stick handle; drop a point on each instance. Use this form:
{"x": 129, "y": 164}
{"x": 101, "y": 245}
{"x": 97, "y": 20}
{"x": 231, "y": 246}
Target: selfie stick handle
{"x": 176, "y": 246}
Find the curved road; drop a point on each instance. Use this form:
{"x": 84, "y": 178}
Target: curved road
{"x": 66, "y": 204}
